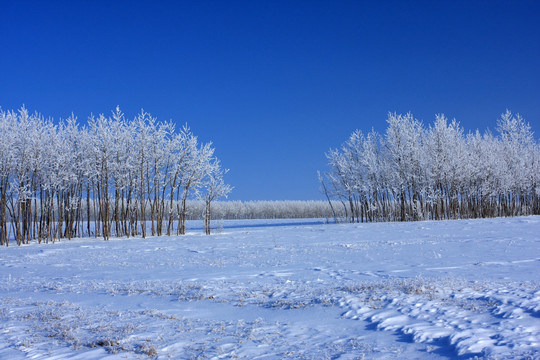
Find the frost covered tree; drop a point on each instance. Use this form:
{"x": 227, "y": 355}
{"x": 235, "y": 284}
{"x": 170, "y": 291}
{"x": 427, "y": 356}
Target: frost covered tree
{"x": 113, "y": 177}
{"x": 215, "y": 188}
{"x": 519, "y": 158}
{"x": 446, "y": 166}
{"x": 404, "y": 143}
{"x": 181, "y": 146}
{"x": 196, "y": 166}
{"x": 414, "y": 173}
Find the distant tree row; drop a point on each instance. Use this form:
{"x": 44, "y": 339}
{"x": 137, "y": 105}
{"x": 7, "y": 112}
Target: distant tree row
{"x": 281, "y": 209}
{"x": 65, "y": 180}
{"x": 415, "y": 173}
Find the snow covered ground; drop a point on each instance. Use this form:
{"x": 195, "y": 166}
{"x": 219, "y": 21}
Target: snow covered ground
{"x": 280, "y": 289}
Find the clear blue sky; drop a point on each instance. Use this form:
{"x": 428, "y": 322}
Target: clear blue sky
{"x": 274, "y": 84}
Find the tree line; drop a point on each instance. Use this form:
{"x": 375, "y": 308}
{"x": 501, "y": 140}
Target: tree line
{"x": 113, "y": 176}
{"x": 440, "y": 172}
{"x": 271, "y": 209}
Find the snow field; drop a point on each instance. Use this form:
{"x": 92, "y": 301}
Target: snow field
{"x": 280, "y": 289}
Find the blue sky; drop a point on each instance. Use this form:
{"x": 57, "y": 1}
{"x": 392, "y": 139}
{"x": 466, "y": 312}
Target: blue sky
{"x": 274, "y": 84}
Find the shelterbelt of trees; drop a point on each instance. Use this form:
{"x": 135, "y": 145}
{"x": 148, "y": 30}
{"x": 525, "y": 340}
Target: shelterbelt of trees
{"x": 414, "y": 173}
{"x": 112, "y": 177}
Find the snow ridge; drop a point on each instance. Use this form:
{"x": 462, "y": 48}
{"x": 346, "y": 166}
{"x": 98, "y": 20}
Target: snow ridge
{"x": 474, "y": 318}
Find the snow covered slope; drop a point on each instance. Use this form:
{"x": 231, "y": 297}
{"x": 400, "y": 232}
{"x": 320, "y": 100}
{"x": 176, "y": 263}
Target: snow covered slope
{"x": 280, "y": 289}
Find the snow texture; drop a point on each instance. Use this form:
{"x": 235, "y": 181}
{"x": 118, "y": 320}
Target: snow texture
{"x": 280, "y": 289}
